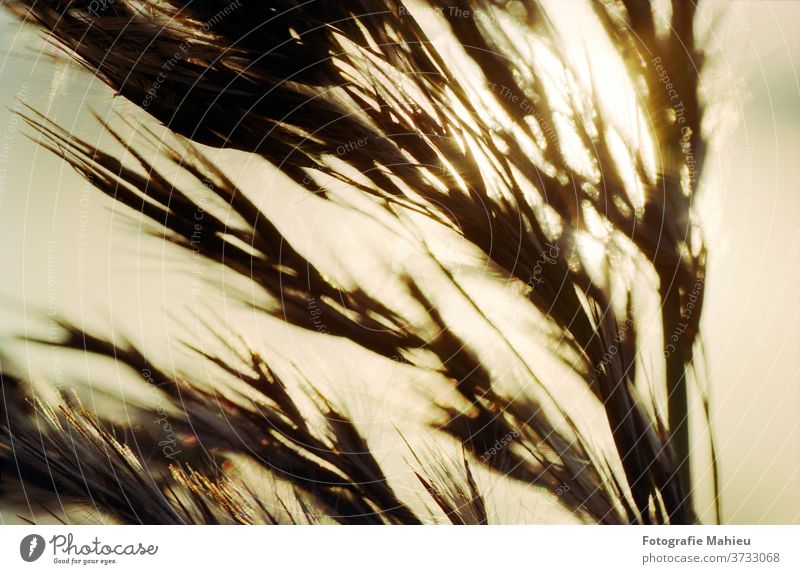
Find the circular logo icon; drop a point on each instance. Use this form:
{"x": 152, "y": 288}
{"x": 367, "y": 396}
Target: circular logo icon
{"x": 31, "y": 547}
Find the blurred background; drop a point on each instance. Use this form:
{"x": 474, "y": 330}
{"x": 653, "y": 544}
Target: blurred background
{"x": 59, "y": 237}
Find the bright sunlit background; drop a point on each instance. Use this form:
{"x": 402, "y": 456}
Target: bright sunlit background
{"x": 66, "y": 252}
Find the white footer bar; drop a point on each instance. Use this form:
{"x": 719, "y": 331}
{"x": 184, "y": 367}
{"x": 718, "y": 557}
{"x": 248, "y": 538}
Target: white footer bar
{"x": 407, "y": 549}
